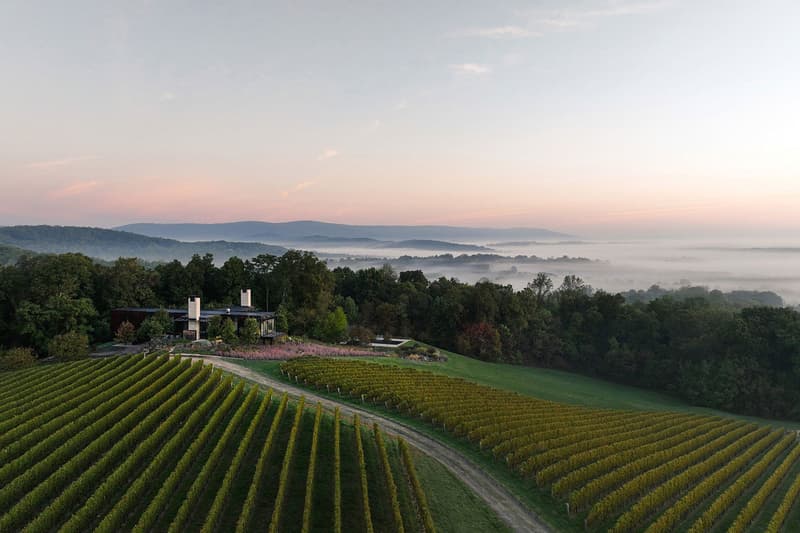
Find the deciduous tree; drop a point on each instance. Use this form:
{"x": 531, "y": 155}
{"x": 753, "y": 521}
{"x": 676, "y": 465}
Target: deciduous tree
{"x": 69, "y": 346}
{"x": 126, "y": 333}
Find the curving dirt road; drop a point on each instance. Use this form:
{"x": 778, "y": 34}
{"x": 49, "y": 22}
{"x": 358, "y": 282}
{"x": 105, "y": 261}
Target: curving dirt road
{"x": 496, "y": 496}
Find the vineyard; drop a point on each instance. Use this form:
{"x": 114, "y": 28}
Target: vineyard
{"x": 158, "y": 443}
{"x": 610, "y": 470}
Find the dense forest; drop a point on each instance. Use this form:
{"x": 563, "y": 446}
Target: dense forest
{"x": 11, "y": 254}
{"x": 710, "y": 352}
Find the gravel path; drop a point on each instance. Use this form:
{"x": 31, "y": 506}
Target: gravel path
{"x": 496, "y": 496}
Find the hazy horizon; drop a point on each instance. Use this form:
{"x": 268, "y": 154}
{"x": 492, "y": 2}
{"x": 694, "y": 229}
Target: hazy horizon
{"x": 617, "y": 265}
{"x": 752, "y": 237}
{"x": 598, "y": 118}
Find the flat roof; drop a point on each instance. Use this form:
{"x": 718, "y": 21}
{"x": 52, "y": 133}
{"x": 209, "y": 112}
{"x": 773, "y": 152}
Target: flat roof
{"x": 151, "y": 310}
{"x": 237, "y": 312}
{"x": 204, "y": 313}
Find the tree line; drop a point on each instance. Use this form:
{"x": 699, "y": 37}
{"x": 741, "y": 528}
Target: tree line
{"x": 745, "y": 360}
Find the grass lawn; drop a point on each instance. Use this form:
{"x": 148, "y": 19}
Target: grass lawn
{"x": 454, "y": 506}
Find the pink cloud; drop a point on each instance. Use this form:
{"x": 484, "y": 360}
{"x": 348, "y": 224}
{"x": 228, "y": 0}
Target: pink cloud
{"x": 328, "y": 153}
{"x": 303, "y": 185}
{"x": 74, "y": 189}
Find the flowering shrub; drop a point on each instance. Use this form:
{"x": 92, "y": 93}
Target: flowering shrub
{"x": 291, "y": 350}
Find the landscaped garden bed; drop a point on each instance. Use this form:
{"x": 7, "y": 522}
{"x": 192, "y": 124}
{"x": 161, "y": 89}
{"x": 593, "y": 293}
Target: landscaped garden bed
{"x": 290, "y": 350}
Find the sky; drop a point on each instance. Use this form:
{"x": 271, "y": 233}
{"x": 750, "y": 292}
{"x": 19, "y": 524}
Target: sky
{"x": 625, "y": 118}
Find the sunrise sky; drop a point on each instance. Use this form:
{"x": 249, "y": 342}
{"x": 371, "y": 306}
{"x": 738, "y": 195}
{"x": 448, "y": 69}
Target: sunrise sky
{"x": 594, "y": 117}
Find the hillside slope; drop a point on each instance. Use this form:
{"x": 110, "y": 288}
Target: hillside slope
{"x": 617, "y": 470}
{"x": 158, "y": 443}
{"x": 565, "y": 387}
{"x": 111, "y": 244}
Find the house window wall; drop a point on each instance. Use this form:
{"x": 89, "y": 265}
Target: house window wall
{"x": 267, "y": 327}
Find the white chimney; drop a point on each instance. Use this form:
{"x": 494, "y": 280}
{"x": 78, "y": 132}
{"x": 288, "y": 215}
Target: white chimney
{"x": 194, "y": 316}
{"x": 246, "y": 298}
{"x": 194, "y": 307}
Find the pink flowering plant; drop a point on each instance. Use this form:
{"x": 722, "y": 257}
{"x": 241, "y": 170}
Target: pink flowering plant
{"x": 290, "y": 350}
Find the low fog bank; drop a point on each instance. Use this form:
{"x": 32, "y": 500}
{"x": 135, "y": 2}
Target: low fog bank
{"x": 617, "y": 266}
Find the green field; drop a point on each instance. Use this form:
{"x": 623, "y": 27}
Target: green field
{"x": 160, "y": 444}
{"x": 726, "y": 460}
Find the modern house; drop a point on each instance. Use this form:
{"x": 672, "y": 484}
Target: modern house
{"x": 192, "y": 322}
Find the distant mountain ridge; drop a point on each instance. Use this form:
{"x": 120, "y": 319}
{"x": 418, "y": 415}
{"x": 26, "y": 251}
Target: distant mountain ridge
{"x": 110, "y": 244}
{"x": 432, "y": 245}
{"x": 298, "y": 231}
{"x": 366, "y": 242}
{"x": 324, "y": 239}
